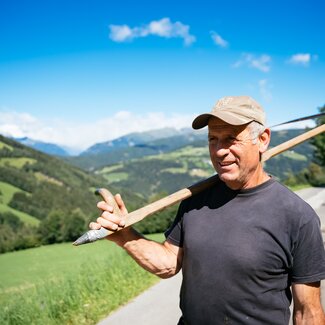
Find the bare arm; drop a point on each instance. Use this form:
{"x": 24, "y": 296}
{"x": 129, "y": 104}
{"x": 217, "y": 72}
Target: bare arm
{"x": 307, "y": 305}
{"x": 164, "y": 260}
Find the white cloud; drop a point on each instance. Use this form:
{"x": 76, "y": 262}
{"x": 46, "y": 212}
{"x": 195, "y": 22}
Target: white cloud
{"x": 218, "y": 40}
{"x": 265, "y": 90}
{"x": 261, "y": 63}
{"x": 162, "y": 28}
{"x": 120, "y": 33}
{"x": 301, "y": 59}
{"x": 79, "y": 136}
{"x": 18, "y": 124}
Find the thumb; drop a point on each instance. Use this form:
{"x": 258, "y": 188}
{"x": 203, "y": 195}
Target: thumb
{"x": 121, "y": 204}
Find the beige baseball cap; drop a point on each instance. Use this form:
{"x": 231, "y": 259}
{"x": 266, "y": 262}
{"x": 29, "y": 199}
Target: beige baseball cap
{"x": 235, "y": 110}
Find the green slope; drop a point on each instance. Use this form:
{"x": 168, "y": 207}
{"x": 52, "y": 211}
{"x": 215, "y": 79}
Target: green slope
{"x": 7, "y": 191}
{"x": 161, "y": 173}
{"x": 168, "y": 172}
{"x": 33, "y": 185}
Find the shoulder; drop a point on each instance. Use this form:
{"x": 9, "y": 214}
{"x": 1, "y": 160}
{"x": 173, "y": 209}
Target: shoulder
{"x": 292, "y": 205}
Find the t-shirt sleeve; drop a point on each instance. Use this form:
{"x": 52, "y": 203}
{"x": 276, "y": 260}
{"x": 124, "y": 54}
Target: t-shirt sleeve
{"x": 174, "y": 233}
{"x": 308, "y": 253}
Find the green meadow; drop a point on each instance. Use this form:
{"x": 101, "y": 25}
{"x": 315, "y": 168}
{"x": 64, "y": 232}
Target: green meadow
{"x": 6, "y": 193}
{"x": 16, "y": 162}
{"x": 64, "y": 284}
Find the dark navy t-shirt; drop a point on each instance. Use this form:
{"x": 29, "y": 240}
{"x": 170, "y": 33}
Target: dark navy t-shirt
{"x": 242, "y": 251}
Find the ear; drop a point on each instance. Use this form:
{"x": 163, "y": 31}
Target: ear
{"x": 264, "y": 140}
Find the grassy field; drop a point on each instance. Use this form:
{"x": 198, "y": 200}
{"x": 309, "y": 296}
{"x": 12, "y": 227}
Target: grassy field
{"x": 187, "y": 161}
{"x": 6, "y": 193}
{"x": 16, "y": 162}
{"x": 63, "y": 284}
{"x": 4, "y": 145}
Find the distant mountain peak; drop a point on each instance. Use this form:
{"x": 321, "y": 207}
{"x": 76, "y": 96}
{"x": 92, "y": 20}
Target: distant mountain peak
{"x": 133, "y": 139}
{"x": 49, "y": 148}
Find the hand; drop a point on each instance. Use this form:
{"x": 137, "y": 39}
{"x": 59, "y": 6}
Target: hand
{"x": 108, "y": 218}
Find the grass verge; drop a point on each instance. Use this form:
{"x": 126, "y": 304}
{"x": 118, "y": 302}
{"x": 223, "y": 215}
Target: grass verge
{"x": 80, "y": 286}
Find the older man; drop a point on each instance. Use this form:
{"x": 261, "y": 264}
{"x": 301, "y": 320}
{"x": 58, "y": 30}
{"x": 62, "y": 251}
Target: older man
{"x": 242, "y": 244}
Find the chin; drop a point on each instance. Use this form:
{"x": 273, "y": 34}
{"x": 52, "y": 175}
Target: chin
{"x": 230, "y": 180}
{"x": 227, "y": 177}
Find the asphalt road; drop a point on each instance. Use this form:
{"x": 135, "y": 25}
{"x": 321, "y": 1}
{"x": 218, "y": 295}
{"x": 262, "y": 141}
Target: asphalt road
{"x": 159, "y": 304}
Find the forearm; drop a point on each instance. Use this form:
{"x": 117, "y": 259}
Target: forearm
{"x": 150, "y": 255}
{"x": 307, "y": 316}
{"x": 307, "y": 304}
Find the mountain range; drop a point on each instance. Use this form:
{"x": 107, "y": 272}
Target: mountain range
{"x": 136, "y": 146}
{"x": 49, "y": 148}
{"x": 134, "y": 139}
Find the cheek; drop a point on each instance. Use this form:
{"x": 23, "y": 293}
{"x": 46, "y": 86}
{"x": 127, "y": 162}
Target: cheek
{"x": 249, "y": 158}
{"x": 213, "y": 160}
{"x": 212, "y": 154}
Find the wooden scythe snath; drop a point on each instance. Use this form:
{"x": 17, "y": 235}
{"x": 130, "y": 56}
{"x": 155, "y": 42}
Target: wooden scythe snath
{"x": 138, "y": 215}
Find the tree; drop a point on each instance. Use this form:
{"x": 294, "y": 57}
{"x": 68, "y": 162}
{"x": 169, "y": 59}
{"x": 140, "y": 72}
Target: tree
{"x": 319, "y": 141}
{"x": 10, "y": 219}
{"x": 60, "y": 226}
{"x": 73, "y": 226}
{"x": 6, "y": 238}
{"x": 50, "y": 228}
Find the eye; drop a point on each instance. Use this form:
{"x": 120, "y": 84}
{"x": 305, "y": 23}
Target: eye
{"x": 212, "y": 140}
{"x": 231, "y": 139}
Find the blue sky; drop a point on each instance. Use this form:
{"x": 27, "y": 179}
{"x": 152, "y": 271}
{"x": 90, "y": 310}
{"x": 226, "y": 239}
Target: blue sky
{"x": 80, "y": 72}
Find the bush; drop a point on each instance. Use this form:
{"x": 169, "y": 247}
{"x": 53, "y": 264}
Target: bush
{"x": 15, "y": 235}
{"x": 316, "y": 175}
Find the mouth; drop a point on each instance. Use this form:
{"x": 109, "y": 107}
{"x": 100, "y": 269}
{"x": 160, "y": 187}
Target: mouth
{"x": 225, "y": 164}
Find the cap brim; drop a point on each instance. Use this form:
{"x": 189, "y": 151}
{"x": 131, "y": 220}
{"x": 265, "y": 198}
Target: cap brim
{"x": 233, "y": 119}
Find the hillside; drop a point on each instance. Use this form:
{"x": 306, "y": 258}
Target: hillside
{"x": 44, "y": 200}
{"x": 140, "y": 145}
{"x": 36, "y": 184}
{"x": 40, "y": 190}
{"x": 135, "y": 145}
{"x": 170, "y": 171}
{"x": 161, "y": 173}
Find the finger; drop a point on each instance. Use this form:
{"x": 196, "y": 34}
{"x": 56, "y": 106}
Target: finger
{"x": 121, "y": 204}
{"x": 94, "y": 226}
{"x": 113, "y": 218}
{"x": 105, "y": 206}
{"x": 107, "y": 223}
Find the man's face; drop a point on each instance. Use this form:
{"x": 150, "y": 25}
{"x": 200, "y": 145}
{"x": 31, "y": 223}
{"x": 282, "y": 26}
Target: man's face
{"x": 233, "y": 154}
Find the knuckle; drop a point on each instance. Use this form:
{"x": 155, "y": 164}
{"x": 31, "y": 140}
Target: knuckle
{"x": 94, "y": 225}
{"x": 106, "y": 215}
{"x": 109, "y": 224}
{"x": 100, "y": 204}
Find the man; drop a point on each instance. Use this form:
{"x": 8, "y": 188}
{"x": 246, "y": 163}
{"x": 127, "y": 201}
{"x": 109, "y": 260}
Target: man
{"x": 241, "y": 244}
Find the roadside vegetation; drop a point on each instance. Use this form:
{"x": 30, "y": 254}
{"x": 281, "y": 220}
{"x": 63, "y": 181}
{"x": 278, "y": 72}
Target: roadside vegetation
{"x": 314, "y": 173}
{"x": 63, "y": 284}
